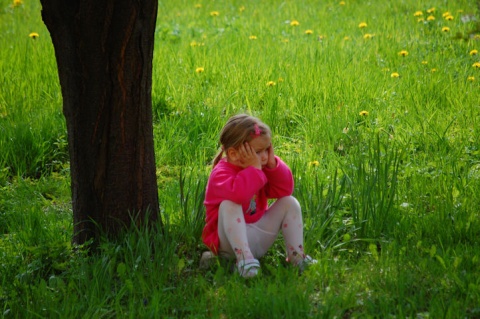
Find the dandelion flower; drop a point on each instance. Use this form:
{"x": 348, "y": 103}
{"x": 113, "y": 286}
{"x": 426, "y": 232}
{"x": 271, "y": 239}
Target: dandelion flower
{"x": 367, "y": 36}
{"x": 420, "y": 20}
{"x": 198, "y": 6}
{"x": 418, "y": 14}
{"x": 431, "y": 10}
{"x": 430, "y": 18}
{"x": 294, "y": 23}
{"x": 214, "y": 13}
{"x": 363, "y": 113}
{"x": 242, "y": 8}
{"x": 433, "y": 70}
{"x": 196, "y": 44}
{"x": 449, "y": 17}
{"x": 346, "y": 38}
{"x": 445, "y": 29}
{"x": 424, "y": 62}
{"x": 314, "y": 163}
{"x": 362, "y": 25}
{"x": 199, "y": 69}
{"x": 446, "y": 14}
{"x": 474, "y": 52}
{"x": 342, "y": 3}
{"x": 476, "y": 65}
{"x": 394, "y": 75}
{"x": 17, "y": 3}
{"x": 403, "y": 53}
{"x": 471, "y": 78}
{"x": 308, "y": 31}
{"x": 280, "y": 80}
{"x": 271, "y": 83}
{"x": 33, "y": 35}
{"x": 253, "y": 37}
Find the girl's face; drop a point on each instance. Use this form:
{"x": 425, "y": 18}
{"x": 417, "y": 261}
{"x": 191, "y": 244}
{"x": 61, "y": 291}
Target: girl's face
{"x": 261, "y": 146}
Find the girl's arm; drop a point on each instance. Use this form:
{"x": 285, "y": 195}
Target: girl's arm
{"x": 280, "y": 180}
{"x": 236, "y": 186}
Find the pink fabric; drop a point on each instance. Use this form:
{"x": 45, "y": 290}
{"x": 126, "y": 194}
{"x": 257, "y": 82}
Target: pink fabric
{"x": 231, "y": 182}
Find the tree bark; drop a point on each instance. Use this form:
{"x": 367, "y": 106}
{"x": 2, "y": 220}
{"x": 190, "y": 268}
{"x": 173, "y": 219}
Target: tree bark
{"x": 104, "y": 52}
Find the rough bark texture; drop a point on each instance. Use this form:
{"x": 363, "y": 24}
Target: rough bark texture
{"x": 104, "y": 55}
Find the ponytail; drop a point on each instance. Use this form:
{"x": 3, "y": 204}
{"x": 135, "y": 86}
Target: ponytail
{"x": 218, "y": 157}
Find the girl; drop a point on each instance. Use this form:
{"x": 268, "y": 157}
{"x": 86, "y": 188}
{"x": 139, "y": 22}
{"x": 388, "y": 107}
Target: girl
{"x": 239, "y": 223}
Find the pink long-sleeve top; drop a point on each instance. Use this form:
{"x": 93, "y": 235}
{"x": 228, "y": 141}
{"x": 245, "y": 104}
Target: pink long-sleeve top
{"x": 245, "y": 187}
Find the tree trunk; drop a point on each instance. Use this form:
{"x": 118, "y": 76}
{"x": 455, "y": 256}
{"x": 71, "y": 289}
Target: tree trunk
{"x": 104, "y": 52}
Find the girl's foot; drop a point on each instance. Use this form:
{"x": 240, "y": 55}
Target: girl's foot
{"x": 302, "y": 263}
{"x": 248, "y": 268}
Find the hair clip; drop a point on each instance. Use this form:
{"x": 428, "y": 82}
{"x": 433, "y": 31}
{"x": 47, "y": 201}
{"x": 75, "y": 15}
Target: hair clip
{"x": 258, "y": 131}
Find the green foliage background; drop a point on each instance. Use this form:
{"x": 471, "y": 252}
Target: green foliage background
{"x": 375, "y": 107}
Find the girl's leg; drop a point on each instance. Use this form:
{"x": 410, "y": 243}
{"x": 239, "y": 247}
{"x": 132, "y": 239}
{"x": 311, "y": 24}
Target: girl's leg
{"x": 284, "y": 214}
{"x": 232, "y": 231}
{"x": 253, "y": 240}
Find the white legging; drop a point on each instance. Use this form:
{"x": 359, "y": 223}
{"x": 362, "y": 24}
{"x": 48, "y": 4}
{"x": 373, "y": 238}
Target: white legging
{"x": 247, "y": 241}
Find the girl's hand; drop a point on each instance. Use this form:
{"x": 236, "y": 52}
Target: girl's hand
{"x": 248, "y": 157}
{"x": 272, "y": 162}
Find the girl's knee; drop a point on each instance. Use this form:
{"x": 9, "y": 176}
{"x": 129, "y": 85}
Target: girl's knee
{"x": 290, "y": 202}
{"x": 229, "y": 207}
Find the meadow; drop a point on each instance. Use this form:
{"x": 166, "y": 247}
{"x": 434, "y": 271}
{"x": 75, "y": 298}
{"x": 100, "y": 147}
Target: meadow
{"x": 375, "y": 107}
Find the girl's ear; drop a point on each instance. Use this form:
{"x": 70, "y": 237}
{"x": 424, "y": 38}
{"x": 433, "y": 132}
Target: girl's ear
{"x": 232, "y": 154}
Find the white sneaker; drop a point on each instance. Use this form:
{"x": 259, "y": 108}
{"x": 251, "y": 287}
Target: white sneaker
{"x": 248, "y": 268}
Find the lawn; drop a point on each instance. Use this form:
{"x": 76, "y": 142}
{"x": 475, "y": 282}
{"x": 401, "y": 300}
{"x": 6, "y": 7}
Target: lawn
{"x": 375, "y": 107}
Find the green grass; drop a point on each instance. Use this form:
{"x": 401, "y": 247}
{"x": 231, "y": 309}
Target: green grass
{"x": 390, "y": 198}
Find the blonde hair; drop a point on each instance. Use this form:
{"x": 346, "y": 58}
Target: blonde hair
{"x": 239, "y": 129}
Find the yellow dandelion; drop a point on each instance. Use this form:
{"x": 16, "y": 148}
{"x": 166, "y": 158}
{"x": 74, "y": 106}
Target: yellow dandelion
{"x": 308, "y": 31}
{"x": 198, "y": 5}
{"x": 446, "y": 14}
{"x": 242, "y": 8}
{"x": 420, "y": 20}
{"x": 431, "y": 10}
{"x": 418, "y": 14}
{"x": 474, "y": 52}
{"x": 363, "y": 113}
{"x": 346, "y": 38}
{"x": 314, "y": 163}
{"x": 430, "y": 18}
{"x": 424, "y": 62}
{"x": 476, "y": 65}
{"x": 433, "y": 70}
{"x": 403, "y": 53}
{"x": 342, "y": 3}
{"x": 214, "y": 13}
{"x": 280, "y": 80}
{"x": 368, "y": 36}
{"x": 362, "y": 25}
{"x": 395, "y": 75}
{"x": 199, "y": 69}
{"x": 253, "y": 37}
{"x": 294, "y": 23}
{"x": 445, "y": 29}
{"x": 471, "y": 78}
{"x": 33, "y": 35}
{"x": 271, "y": 83}
{"x": 17, "y": 3}
{"x": 449, "y": 17}
{"x": 194, "y": 43}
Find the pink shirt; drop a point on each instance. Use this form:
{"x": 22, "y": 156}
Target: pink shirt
{"x": 250, "y": 187}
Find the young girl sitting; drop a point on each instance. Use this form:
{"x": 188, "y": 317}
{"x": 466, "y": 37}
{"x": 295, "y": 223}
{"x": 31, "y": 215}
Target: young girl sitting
{"x": 239, "y": 223}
